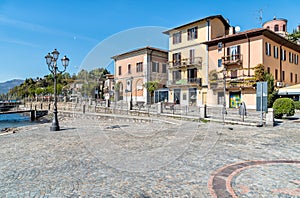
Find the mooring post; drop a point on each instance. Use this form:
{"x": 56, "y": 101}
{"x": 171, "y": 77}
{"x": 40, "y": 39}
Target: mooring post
{"x": 32, "y": 115}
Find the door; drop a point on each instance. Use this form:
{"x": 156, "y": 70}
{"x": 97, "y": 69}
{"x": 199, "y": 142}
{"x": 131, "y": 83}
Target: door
{"x": 234, "y": 99}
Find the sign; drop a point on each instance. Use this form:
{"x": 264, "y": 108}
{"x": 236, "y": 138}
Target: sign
{"x": 262, "y": 96}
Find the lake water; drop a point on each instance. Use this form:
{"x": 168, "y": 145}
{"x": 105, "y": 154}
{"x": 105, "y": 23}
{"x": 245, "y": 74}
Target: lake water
{"x": 14, "y": 120}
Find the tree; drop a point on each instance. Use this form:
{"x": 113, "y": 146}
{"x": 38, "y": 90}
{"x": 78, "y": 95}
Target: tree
{"x": 295, "y": 36}
{"x": 261, "y": 75}
{"x": 151, "y": 86}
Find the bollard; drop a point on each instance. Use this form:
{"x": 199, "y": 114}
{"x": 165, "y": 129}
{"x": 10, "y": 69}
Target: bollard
{"x": 41, "y": 105}
{"x": 83, "y": 108}
{"x": 49, "y": 106}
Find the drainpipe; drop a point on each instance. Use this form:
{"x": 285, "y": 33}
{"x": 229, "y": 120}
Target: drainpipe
{"x": 207, "y": 56}
{"x": 248, "y": 39}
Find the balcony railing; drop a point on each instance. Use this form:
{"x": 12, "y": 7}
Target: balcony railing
{"x": 234, "y": 59}
{"x": 188, "y": 81}
{"x": 246, "y": 82}
{"x": 185, "y": 62}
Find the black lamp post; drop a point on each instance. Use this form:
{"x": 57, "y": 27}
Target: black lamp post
{"x": 131, "y": 105}
{"x": 52, "y": 66}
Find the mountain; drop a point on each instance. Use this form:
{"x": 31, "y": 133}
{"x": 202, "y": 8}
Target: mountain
{"x": 6, "y": 86}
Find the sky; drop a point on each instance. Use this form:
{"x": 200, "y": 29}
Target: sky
{"x": 82, "y": 29}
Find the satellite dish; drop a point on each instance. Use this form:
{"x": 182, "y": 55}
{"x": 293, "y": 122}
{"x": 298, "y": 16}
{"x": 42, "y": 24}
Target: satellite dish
{"x": 237, "y": 29}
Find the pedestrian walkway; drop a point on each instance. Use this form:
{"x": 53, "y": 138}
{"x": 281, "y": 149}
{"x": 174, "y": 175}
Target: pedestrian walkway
{"x": 155, "y": 157}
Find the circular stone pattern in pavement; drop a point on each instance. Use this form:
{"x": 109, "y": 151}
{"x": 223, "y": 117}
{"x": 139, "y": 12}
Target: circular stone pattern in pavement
{"x": 277, "y": 178}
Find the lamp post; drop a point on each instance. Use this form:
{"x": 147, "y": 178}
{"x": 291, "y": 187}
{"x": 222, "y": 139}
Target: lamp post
{"x": 131, "y": 105}
{"x": 51, "y": 61}
{"x": 224, "y": 101}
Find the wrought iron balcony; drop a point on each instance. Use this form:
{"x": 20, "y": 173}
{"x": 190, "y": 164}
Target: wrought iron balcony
{"x": 233, "y": 60}
{"x": 188, "y": 81}
{"x": 186, "y": 62}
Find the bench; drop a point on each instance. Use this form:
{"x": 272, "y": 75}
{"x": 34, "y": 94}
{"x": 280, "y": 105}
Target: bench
{"x": 140, "y": 104}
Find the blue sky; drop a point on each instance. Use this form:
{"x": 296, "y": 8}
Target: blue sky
{"x": 32, "y": 28}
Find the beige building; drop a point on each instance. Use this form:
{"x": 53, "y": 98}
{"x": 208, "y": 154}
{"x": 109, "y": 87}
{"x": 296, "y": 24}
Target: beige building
{"x": 135, "y": 68}
{"x": 188, "y": 59}
{"x": 238, "y": 54}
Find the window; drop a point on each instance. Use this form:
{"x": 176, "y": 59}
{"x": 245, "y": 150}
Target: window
{"x": 177, "y": 59}
{"x": 219, "y": 62}
{"x": 268, "y": 27}
{"x": 129, "y": 68}
{"x": 268, "y": 70}
{"x": 283, "y": 28}
{"x": 268, "y": 49}
{"x": 233, "y": 53}
{"x": 283, "y": 75}
{"x": 177, "y": 37}
{"x": 164, "y": 68}
{"x": 291, "y": 76}
{"x": 220, "y": 45}
{"x": 233, "y": 74}
{"x": 120, "y": 70}
{"x": 275, "y": 51}
{"x": 283, "y": 54}
{"x": 276, "y": 28}
{"x": 291, "y": 56}
{"x": 276, "y": 74}
{"x": 192, "y": 75}
{"x": 296, "y": 78}
{"x": 192, "y": 56}
{"x": 192, "y": 33}
{"x": 176, "y": 75}
{"x": 139, "y": 67}
{"x": 155, "y": 67}
{"x": 296, "y": 59}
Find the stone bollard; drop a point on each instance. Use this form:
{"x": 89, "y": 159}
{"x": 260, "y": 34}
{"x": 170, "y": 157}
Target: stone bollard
{"x": 107, "y": 103}
{"x": 270, "y": 117}
{"x": 203, "y": 111}
{"x": 83, "y": 108}
{"x": 159, "y": 107}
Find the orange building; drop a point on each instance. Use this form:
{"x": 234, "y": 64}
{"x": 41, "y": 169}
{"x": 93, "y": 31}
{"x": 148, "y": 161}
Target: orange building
{"x": 238, "y": 54}
{"x": 135, "y": 68}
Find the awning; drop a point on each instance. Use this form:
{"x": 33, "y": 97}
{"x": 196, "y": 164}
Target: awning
{"x": 291, "y": 90}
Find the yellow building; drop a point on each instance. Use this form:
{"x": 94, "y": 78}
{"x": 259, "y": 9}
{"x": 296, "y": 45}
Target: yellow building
{"x": 188, "y": 59}
{"x": 238, "y": 54}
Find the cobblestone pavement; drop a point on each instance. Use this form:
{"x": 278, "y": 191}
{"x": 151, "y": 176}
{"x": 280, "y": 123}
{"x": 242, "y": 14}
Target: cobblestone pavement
{"x": 151, "y": 158}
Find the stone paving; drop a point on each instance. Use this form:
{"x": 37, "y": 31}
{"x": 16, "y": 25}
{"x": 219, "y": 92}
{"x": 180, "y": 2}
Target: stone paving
{"x": 126, "y": 157}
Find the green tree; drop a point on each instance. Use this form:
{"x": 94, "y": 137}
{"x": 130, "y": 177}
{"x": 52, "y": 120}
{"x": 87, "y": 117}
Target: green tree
{"x": 295, "y": 36}
{"x": 151, "y": 86}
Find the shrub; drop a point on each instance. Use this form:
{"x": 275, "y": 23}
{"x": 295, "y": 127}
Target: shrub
{"x": 297, "y": 105}
{"x": 283, "y": 106}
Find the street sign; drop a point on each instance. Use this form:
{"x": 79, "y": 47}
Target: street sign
{"x": 262, "y": 96}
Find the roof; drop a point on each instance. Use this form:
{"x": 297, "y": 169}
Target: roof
{"x": 140, "y": 50}
{"x": 291, "y": 90}
{"x": 203, "y": 19}
{"x": 255, "y": 32}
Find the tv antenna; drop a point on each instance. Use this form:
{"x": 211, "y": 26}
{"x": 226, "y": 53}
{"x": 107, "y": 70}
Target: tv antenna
{"x": 260, "y": 11}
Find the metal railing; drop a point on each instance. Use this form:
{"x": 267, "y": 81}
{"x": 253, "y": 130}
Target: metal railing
{"x": 196, "y": 61}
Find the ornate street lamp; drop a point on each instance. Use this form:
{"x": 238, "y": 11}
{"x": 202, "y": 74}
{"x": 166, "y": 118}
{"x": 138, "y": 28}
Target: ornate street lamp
{"x": 224, "y": 102}
{"x": 52, "y": 66}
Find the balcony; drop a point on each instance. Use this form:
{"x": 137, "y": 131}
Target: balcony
{"x": 233, "y": 61}
{"x": 233, "y": 83}
{"x": 186, "y": 62}
{"x": 183, "y": 82}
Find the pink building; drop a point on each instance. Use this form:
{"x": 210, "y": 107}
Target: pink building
{"x": 135, "y": 68}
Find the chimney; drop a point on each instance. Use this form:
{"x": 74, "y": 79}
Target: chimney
{"x": 231, "y": 30}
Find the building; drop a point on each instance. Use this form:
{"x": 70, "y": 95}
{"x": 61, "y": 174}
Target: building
{"x": 135, "y": 68}
{"x": 277, "y": 25}
{"x": 237, "y": 54}
{"x": 188, "y": 59}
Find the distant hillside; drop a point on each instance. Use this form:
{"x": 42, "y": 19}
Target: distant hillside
{"x": 6, "y": 86}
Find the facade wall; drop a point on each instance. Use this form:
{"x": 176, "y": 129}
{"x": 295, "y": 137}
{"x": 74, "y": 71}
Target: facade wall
{"x": 138, "y": 78}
